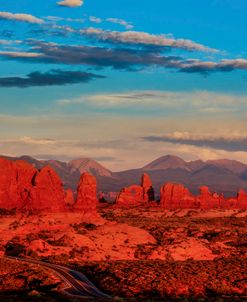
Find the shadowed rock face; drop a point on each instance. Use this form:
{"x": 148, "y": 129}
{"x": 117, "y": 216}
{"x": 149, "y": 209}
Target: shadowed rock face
{"x": 87, "y": 194}
{"x": 136, "y": 195}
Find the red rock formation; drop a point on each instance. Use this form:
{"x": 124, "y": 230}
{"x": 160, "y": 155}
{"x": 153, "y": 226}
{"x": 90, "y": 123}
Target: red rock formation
{"x": 8, "y": 184}
{"x": 208, "y": 200}
{"x": 176, "y": 196}
{"x": 87, "y": 194}
{"x": 148, "y": 191}
{"x": 69, "y": 197}
{"x": 25, "y": 175}
{"x": 47, "y": 192}
{"x": 242, "y": 199}
{"x": 136, "y": 195}
{"x": 15, "y": 183}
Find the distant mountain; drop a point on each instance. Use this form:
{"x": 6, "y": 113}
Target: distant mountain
{"x": 89, "y": 165}
{"x": 222, "y": 176}
{"x": 231, "y": 165}
{"x": 166, "y": 162}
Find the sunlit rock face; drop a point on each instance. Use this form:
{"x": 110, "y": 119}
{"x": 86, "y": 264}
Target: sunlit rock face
{"x": 23, "y": 187}
{"x": 69, "y": 197}
{"x": 242, "y": 199}
{"x": 137, "y": 194}
{"x": 148, "y": 191}
{"x": 15, "y": 183}
{"x": 87, "y": 200}
{"x": 175, "y": 196}
{"x": 47, "y": 192}
{"x": 208, "y": 200}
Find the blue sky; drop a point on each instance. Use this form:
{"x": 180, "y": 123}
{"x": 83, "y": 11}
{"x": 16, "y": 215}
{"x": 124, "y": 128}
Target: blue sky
{"x": 123, "y": 81}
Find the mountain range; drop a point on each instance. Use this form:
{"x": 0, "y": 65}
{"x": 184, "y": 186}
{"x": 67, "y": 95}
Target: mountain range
{"x": 222, "y": 176}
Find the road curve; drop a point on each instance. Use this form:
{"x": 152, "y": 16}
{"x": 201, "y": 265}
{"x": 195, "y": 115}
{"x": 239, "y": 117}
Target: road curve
{"x": 76, "y": 284}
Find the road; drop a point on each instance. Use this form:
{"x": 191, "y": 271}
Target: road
{"x": 75, "y": 283}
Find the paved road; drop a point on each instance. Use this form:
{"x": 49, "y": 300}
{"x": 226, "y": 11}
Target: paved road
{"x": 76, "y": 284}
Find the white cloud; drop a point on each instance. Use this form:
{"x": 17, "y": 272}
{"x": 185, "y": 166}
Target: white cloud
{"x": 143, "y": 38}
{"x": 18, "y": 54}
{"x": 122, "y": 22}
{"x": 71, "y": 3}
{"x": 9, "y": 42}
{"x": 20, "y": 17}
{"x": 201, "y": 101}
{"x": 95, "y": 19}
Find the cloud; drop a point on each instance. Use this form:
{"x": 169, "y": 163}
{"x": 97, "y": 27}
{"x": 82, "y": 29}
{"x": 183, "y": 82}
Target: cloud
{"x": 20, "y": 55}
{"x": 85, "y": 135}
{"x": 144, "y": 39}
{"x": 71, "y": 3}
{"x": 95, "y": 19}
{"x": 122, "y": 22}
{"x": 197, "y": 66}
{"x": 37, "y": 141}
{"x": 57, "y": 19}
{"x": 127, "y": 59}
{"x": 131, "y": 59}
{"x": 226, "y": 143}
{"x": 9, "y": 42}
{"x": 20, "y": 17}
{"x": 50, "y": 78}
{"x": 164, "y": 102}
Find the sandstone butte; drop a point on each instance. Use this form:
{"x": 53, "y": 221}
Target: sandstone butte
{"x": 87, "y": 201}
{"x": 135, "y": 194}
{"x": 26, "y": 188}
{"x": 176, "y": 196}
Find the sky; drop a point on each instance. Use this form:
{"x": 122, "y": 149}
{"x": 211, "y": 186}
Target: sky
{"x": 123, "y": 82}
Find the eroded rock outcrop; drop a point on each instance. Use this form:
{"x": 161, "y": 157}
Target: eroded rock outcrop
{"x": 87, "y": 194}
{"x": 69, "y": 197}
{"x": 136, "y": 195}
{"x": 47, "y": 192}
{"x": 175, "y": 196}
{"x": 208, "y": 200}
{"x": 15, "y": 183}
{"x": 242, "y": 199}
{"x": 23, "y": 187}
